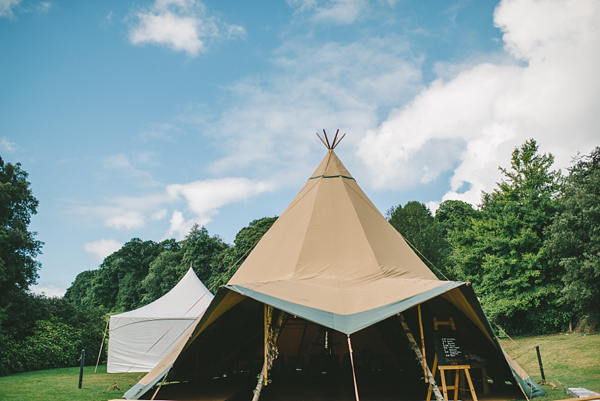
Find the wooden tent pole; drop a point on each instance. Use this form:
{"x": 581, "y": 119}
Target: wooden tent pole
{"x": 266, "y": 343}
{"x": 271, "y": 336}
{"x": 326, "y": 139}
{"x": 415, "y": 346}
{"x": 352, "y": 363}
{"x": 102, "y": 344}
{"x": 423, "y": 345}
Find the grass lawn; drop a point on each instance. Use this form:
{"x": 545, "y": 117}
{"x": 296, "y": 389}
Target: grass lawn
{"x": 61, "y": 384}
{"x": 572, "y": 361}
{"x": 568, "y": 360}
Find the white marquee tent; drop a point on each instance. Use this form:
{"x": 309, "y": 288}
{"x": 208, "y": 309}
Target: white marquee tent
{"x": 140, "y": 338}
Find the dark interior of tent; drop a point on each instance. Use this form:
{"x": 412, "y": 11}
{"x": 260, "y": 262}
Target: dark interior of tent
{"x": 314, "y": 362}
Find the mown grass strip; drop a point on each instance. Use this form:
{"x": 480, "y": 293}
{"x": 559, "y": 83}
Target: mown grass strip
{"x": 61, "y": 384}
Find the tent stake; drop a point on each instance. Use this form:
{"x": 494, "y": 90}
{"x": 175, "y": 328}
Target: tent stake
{"x": 353, "y": 371}
{"x": 82, "y": 359}
{"x": 537, "y": 349}
{"x": 411, "y": 339}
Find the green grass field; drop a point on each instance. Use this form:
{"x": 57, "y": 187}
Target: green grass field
{"x": 572, "y": 361}
{"x": 61, "y": 384}
{"x": 568, "y": 360}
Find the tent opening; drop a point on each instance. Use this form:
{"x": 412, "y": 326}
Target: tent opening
{"x": 314, "y": 363}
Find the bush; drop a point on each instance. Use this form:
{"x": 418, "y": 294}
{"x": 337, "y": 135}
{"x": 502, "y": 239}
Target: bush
{"x": 37, "y": 332}
{"x": 52, "y": 345}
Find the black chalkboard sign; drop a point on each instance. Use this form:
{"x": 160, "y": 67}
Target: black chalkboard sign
{"x": 448, "y": 349}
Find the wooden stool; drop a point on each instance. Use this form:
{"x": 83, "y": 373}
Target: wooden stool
{"x": 458, "y": 369}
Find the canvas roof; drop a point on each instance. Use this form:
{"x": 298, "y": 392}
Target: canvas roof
{"x": 140, "y": 338}
{"x": 332, "y": 250}
{"x": 187, "y": 300}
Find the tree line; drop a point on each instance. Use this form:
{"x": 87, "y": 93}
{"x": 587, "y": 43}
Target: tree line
{"x": 531, "y": 249}
{"x": 143, "y": 271}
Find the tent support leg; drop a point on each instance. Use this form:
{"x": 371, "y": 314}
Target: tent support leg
{"x": 101, "y": 345}
{"x": 353, "y": 371}
{"x": 415, "y": 346}
{"x": 426, "y": 378}
{"x": 271, "y": 334}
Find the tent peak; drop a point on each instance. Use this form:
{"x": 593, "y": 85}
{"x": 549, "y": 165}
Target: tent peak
{"x": 336, "y": 141}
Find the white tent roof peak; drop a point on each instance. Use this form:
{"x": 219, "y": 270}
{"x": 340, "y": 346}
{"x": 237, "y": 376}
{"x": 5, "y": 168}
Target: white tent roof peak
{"x": 139, "y": 339}
{"x": 188, "y": 299}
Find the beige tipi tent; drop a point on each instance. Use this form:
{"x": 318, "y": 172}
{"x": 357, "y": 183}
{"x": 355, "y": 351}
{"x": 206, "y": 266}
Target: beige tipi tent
{"x": 316, "y": 310}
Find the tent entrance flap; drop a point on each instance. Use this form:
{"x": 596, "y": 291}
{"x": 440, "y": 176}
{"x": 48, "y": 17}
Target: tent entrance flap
{"x": 313, "y": 360}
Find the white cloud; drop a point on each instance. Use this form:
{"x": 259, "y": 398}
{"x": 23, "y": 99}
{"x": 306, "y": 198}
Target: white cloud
{"x": 349, "y": 88}
{"x": 159, "y": 215}
{"x": 102, "y": 248}
{"x": 341, "y": 11}
{"x": 204, "y": 198}
{"x": 332, "y": 11}
{"x": 7, "y": 146}
{"x": 158, "y": 132}
{"x": 180, "y": 227}
{"x": 182, "y": 25}
{"x": 125, "y": 213}
{"x": 469, "y": 123}
{"x": 43, "y": 7}
{"x": 7, "y": 7}
{"x": 134, "y": 166}
{"x": 302, "y": 5}
{"x": 127, "y": 220}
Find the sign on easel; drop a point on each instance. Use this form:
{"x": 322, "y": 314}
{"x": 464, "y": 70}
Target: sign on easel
{"x": 448, "y": 349}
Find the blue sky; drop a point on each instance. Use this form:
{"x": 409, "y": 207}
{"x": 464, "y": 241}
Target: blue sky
{"x": 141, "y": 118}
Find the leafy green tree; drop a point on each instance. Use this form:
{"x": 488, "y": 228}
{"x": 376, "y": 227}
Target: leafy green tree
{"x": 18, "y": 267}
{"x": 117, "y": 285}
{"x": 455, "y": 215}
{"x": 417, "y": 225}
{"x": 456, "y": 218}
{"x": 232, "y": 257}
{"x": 79, "y": 293}
{"x": 164, "y": 273}
{"x": 573, "y": 239}
{"x": 201, "y": 251}
{"x": 47, "y": 332}
{"x": 503, "y": 250}
{"x": 18, "y": 246}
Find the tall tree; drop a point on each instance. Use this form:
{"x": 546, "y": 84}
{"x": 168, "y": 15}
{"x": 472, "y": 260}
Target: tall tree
{"x": 417, "y": 225}
{"x": 79, "y": 293}
{"x": 18, "y": 250}
{"x": 18, "y": 246}
{"x": 201, "y": 251}
{"x": 456, "y": 218}
{"x": 455, "y": 215}
{"x": 504, "y": 258}
{"x": 573, "y": 241}
{"x": 165, "y": 271}
{"x": 117, "y": 286}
